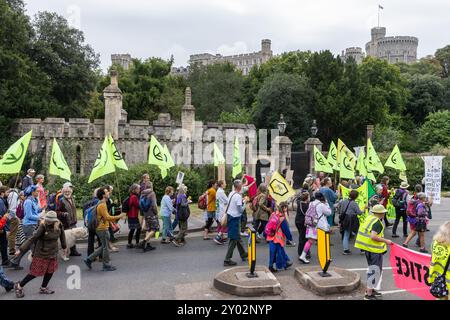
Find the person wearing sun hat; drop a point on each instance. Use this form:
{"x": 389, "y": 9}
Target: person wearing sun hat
{"x": 400, "y": 202}
{"x": 371, "y": 239}
{"x": 45, "y": 262}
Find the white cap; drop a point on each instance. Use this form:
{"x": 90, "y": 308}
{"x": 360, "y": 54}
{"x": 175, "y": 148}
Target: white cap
{"x": 67, "y": 185}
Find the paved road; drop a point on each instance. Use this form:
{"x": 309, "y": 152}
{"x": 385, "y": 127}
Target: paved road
{"x": 187, "y": 273}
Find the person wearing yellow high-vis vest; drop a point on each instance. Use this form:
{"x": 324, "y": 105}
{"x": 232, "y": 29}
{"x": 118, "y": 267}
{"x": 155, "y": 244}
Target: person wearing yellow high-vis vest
{"x": 371, "y": 240}
{"x": 441, "y": 255}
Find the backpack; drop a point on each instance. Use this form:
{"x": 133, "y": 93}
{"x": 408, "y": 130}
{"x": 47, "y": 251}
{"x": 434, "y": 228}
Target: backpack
{"x": 20, "y": 213}
{"x": 311, "y": 218}
{"x": 126, "y": 205}
{"x": 90, "y": 219}
{"x": 398, "y": 199}
{"x": 145, "y": 203}
{"x": 183, "y": 211}
{"x": 53, "y": 200}
{"x": 202, "y": 203}
{"x": 272, "y": 225}
{"x": 411, "y": 208}
{"x": 86, "y": 206}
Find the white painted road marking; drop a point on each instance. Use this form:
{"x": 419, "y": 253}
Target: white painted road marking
{"x": 365, "y": 269}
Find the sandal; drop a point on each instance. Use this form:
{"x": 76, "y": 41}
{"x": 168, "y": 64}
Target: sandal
{"x": 19, "y": 292}
{"x": 46, "y": 291}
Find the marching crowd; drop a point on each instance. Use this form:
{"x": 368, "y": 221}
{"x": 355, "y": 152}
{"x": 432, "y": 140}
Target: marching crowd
{"x": 32, "y": 220}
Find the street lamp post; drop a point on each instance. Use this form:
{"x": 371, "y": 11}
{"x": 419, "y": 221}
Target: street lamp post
{"x": 282, "y": 125}
{"x": 314, "y": 128}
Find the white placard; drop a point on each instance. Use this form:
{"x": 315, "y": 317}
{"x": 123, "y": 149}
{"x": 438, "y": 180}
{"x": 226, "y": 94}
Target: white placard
{"x": 433, "y": 177}
{"x": 180, "y": 177}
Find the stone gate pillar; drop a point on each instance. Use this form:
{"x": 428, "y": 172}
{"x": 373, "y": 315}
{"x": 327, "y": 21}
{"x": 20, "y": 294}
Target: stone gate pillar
{"x": 309, "y": 146}
{"x": 113, "y": 107}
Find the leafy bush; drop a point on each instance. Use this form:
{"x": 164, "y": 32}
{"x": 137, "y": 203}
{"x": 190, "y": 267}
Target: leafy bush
{"x": 436, "y": 129}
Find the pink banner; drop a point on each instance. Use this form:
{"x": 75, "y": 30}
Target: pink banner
{"x": 411, "y": 270}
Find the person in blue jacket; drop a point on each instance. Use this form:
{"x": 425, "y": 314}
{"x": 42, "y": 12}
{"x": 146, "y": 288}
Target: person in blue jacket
{"x": 331, "y": 197}
{"x": 278, "y": 232}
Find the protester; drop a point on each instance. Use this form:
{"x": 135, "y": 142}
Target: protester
{"x": 385, "y": 194}
{"x": 221, "y": 204}
{"x": 114, "y": 208}
{"x": 5, "y": 282}
{"x": 262, "y": 211}
{"x": 67, "y": 213}
{"x": 370, "y": 238}
{"x": 210, "y": 209}
{"x": 183, "y": 213}
{"x": 315, "y": 218}
{"x": 234, "y": 212}
{"x": 91, "y": 233}
{"x": 42, "y": 198}
{"x": 418, "y": 222}
{"x": 28, "y": 179}
{"x": 348, "y": 219}
{"x": 318, "y": 181}
{"x": 45, "y": 262}
{"x": 134, "y": 225}
{"x": 5, "y": 216}
{"x": 400, "y": 202}
{"x": 149, "y": 208}
{"x": 302, "y": 206}
{"x": 331, "y": 197}
{"x": 144, "y": 184}
{"x": 103, "y": 219}
{"x": 439, "y": 261}
{"x": 278, "y": 231}
{"x": 167, "y": 209}
{"x": 30, "y": 221}
{"x": 20, "y": 235}
{"x": 14, "y": 221}
{"x": 377, "y": 197}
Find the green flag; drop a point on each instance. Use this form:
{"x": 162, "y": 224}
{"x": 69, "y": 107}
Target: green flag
{"x": 156, "y": 154}
{"x": 361, "y": 164}
{"x": 218, "y": 156}
{"x": 168, "y": 160}
{"x": 163, "y": 172}
{"x": 373, "y": 163}
{"x": 346, "y": 169}
{"x": 116, "y": 155}
{"x": 104, "y": 163}
{"x": 320, "y": 163}
{"x": 12, "y": 159}
{"x": 395, "y": 160}
{"x": 58, "y": 165}
{"x": 237, "y": 164}
{"x": 332, "y": 154}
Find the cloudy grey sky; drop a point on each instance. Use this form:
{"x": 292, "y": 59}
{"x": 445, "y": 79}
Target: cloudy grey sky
{"x": 160, "y": 28}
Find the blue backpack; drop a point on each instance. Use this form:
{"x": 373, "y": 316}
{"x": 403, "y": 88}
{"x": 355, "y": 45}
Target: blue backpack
{"x": 90, "y": 215}
{"x": 144, "y": 203}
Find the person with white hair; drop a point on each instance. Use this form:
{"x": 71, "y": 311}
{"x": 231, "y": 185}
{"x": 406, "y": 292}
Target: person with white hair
{"x": 377, "y": 198}
{"x": 28, "y": 179}
{"x": 183, "y": 213}
{"x": 67, "y": 213}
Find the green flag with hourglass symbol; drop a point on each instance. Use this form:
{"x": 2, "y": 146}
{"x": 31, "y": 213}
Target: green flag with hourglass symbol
{"x": 237, "y": 164}
{"x": 332, "y": 155}
{"x": 105, "y": 162}
{"x": 346, "y": 166}
{"x": 58, "y": 165}
{"x": 373, "y": 163}
{"x": 13, "y": 157}
{"x": 395, "y": 160}
{"x": 320, "y": 163}
{"x": 116, "y": 156}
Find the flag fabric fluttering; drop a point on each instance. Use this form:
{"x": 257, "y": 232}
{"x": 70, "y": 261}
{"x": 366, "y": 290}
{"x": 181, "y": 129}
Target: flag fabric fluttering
{"x": 58, "y": 164}
{"x": 169, "y": 162}
{"x": 320, "y": 163}
{"x": 13, "y": 158}
{"x": 346, "y": 168}
{"x": 332, "y": 154}
{"x": 116, "y": 155}
{"x": 156, "y": 153}
{"x": 361, "y": 164}
{"x": 395, "y": 160}
{"x": 237, "y": 164}
{"x": 279, "y": 188}
{"x": 104, "y": 164}
{"x": 218, "y": 156}
{"x": 373, "y": 162}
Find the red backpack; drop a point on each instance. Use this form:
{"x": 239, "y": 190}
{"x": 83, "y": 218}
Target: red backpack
{"x": 272, "y": 225}
{"x": 412, "y": 208}
{"x": 202, "y": 203}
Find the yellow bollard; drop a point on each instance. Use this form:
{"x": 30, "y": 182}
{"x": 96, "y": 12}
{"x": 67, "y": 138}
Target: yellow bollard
{"x": 323, "y": 251}
{"x": 251, "y": 253}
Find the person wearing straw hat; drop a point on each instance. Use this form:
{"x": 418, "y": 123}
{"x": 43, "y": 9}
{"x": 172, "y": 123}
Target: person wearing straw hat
{"x": 400, "y": 202}
{"x": 45, "y": 262}
{"x": 371, "y": 239}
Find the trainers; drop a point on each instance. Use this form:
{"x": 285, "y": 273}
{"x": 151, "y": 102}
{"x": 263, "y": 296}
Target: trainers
{"x": 290, "y": 244}
{"x": 176, "y": 243}
{"x": 376, "y": 293}
{"x": 288, "y": 264}
{"x": 273, "y": 270}
{"x": 346, "y": 252}
{"x": 88, "y": 263}
{"x": 304, "y": 261}
{"x": 244, "y": 234}
{"x": 220, "y": 242}
{"x": 227, "y": 263}
{"x": 395, "y": 235}
{"x": 19, "y": 291}
{"x": 371, "y": 297}
{"x": 109, "y": 268}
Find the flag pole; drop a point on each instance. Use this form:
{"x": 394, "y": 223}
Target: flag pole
{"x": 118, "y": 187}
{"x": 17, "y": 179}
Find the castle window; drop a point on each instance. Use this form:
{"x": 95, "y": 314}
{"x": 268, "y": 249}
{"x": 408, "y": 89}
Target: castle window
{"x": 123, "y": 156}
{"x": 78, "y": 160}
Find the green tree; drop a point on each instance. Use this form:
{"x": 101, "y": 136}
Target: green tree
{"x": 215, "y": 88}
{"x": 238, "y": 115}
{"x": 443, "y": 56}
{"x": 426, "y": 65}
{"x": 436, "y": 129}
{"x": 291, "y": 95}
{"x": 67, "y": 61}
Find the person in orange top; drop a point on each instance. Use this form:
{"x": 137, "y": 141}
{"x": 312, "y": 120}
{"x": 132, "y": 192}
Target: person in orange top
{"x": 277, "y": 230}
{"x": 211, "y": 208}
{"x": 102, "y": 230}
{"x": 42, "y": 192}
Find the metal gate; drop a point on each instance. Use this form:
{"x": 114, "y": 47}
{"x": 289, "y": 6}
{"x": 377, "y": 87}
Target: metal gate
{"x": 300, "y": 165}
